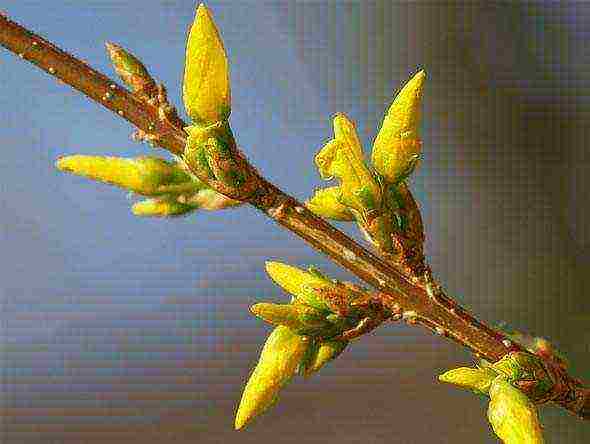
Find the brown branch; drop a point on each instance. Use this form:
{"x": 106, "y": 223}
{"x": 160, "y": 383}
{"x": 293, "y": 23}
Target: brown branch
{"x": 418, "y": 301}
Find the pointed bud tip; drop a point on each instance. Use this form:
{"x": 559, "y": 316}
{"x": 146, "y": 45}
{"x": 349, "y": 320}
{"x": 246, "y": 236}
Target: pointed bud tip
{"x": 67, "y": 163}
{"x": 271, "y": 265}
{"x": 203, "y": 11}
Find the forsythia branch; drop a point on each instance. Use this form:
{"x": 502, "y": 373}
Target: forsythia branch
{"x": 413, "y": 297}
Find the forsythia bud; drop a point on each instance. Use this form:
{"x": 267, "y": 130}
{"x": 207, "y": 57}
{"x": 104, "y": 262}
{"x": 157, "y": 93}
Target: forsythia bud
{"x": 342, "y": 158}
{"x": 477, "y": 380}
{"x": 206, "y": 86}
{"x": 325, "y": 203}
{"x": 300, "y": 283}
{"x": 322, "y": 353}
{"x": 512, "y": 415}
{"x": 130, "y": 69}
{"x": 149, "y": 176}
{"x": 281, "y": 355}
{"x": 527, "y": 371}
{"x": 161, "y": 207}
{"x": 397, "y": 145}
{"x": 300, "y": 318}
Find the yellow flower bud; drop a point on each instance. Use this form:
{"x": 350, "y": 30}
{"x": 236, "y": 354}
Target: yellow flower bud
{"x": 149, "y": 176}
{"x": 477, "y": 380}
{"x": 300, "y": 318}
{"x": 397, "y": 146}
{"x": 299, "y": 283}
{"x": 512, "y": 415}
{"x": 280, "y": 358}
{"x": 325, "y": 203}
{"x": 323, "y": 353}
{"x": 161, "y": 207}
{"x": 206, "y": 86}
{"x": 342, "y": 158}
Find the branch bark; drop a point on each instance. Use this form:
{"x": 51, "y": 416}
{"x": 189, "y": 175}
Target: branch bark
{"x": 420, "y": 301}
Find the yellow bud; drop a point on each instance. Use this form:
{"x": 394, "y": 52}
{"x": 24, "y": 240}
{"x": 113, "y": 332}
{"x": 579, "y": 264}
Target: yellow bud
{"x": 161, "y": 207}
{"x": 345, "y": 130}
{"x": 300, "y": 283}
{"x": 324, "y": 353}
{"x": 512, "y": 415}
{"x": 342, "y": 158}
{"x": 279, "y": 359}
{"x": 149, "y": 176}
{"x": 206, "y": 86}
{"x": 397, "y": 145}
{"x": 325, "y": 202}
{"x": 476, "y": 380}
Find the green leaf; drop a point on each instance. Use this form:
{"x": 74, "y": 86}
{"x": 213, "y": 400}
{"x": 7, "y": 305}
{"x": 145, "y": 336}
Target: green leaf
{"x": 281, "y": 355}
{"x": 512, "y": 415}
{"x": 476, "y": 380}
{"x": 397, "y": 144}
{"x": 206, "y": 86}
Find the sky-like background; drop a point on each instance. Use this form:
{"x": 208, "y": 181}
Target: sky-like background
{"x": 117, "y": 329}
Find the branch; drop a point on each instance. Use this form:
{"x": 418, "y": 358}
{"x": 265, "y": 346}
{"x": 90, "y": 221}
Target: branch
{"x": 417, "y": 300}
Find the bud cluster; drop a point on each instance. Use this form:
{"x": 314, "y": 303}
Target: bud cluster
{"x": 309, "y": 332}
{"x": 376, "y": 196}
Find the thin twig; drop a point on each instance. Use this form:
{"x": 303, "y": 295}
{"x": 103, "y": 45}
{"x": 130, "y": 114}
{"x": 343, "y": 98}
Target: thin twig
{"x": 419, "y": 301}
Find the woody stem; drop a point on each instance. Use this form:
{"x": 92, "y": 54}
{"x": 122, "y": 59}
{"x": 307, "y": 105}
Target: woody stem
{"x": 419, "y": 302}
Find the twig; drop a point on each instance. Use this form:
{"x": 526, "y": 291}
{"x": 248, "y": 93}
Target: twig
{"x": 419, "y": 301}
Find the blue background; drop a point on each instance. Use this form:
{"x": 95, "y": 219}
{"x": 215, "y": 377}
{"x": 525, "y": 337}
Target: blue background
{"x": 115, "y": 328}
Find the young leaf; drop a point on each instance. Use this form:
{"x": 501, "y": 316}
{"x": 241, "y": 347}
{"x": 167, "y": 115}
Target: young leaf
{"x": 512, "y": 415}
{"x": 397, "y": 145}
{"x": 325, "y": 203}
{"x": 206, "y": 86}
{"x": 476, "y": 380}
{"x": 281, "y": 355}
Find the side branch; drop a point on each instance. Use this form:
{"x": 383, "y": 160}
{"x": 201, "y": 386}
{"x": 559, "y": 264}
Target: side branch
{"x": 418, "y": 301}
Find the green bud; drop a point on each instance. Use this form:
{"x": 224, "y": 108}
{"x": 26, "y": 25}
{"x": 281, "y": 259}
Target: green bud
{"x": 512, "y": 415}
{"x": 526, "y": 371}
{"x": 211, "y": 152}
{"x": 281, "y": 356}
{"x": 130, "y": 69}
{"x": 477, "y": 380}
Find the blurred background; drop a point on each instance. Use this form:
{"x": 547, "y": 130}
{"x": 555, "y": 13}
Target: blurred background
{"x": 115, "y": 328}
